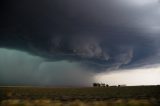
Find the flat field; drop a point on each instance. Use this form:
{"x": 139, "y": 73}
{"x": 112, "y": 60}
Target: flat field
{"x": 110, "y": 96}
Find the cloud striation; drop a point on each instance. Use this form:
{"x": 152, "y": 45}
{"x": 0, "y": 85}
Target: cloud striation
{"x": 100, "y": 35}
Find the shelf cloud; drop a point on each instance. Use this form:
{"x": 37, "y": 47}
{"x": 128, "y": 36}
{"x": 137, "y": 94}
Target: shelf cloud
{"x": 100, "y": 35}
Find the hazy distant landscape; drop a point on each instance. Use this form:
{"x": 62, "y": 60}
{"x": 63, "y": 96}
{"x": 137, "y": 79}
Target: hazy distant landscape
{"x": 110, "y": 96}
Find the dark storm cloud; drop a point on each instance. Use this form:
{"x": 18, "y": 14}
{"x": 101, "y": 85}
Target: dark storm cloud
{"x": 101, "y": 34}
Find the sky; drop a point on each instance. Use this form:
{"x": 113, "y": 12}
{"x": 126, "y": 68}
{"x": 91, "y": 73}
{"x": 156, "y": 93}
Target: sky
{"x": 78, "y": 42}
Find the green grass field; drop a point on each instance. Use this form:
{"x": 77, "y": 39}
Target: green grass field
{"x": 112, "y": 96}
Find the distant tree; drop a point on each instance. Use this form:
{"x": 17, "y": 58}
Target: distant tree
{"x": 96, "y": 85}
{"x": 121, "y": 85}
{"x": 107, "y": 85}
{"x": 100, "y": 85}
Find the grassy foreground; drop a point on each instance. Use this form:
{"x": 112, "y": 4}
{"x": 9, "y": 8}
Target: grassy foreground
{"x": 112, "y": 96}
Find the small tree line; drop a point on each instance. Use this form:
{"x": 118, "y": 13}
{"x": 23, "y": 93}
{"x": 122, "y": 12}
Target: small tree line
{"x": 106, "y": 85}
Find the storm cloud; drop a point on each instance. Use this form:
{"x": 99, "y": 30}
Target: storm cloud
{"x": 20, "y": 68}
{"x": 99, "y": 35}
